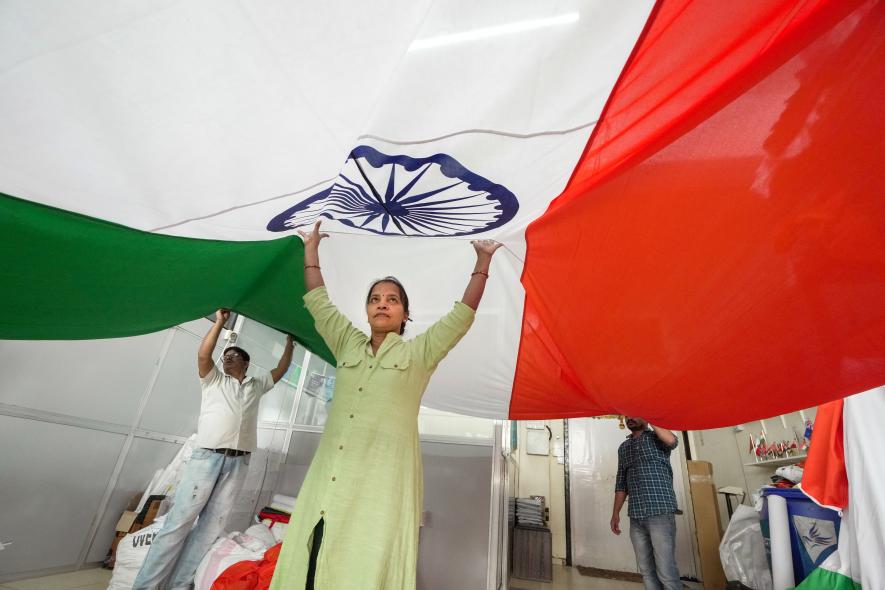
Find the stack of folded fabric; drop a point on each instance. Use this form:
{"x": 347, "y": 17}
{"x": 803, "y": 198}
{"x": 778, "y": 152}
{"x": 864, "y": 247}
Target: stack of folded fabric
{"x": 269, "y": 516}
{"x": 282, "y": 503}
{"x": 279, "y": 510}
{"x": 529, "y": 512}
{"x": 511, "y": 511}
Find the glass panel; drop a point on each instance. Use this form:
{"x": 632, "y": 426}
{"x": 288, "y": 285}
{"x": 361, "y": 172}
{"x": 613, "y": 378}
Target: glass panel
{"x": 302, "y": 448}
{"x": 276, "y": 404}
{"x": 319, "y": 382}
{"x": 265, "y": 347}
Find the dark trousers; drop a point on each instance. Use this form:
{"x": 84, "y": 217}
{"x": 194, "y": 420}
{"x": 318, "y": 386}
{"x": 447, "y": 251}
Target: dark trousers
{"x": 314, "y": 551}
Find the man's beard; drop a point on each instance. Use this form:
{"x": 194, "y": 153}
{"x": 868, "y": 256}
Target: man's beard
{"x": 636, "y": 427}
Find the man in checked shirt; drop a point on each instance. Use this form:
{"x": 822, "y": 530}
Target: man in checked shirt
{"x": 644, "y": 474}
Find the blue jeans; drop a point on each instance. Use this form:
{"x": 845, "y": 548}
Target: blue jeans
{"x": 208, "y": 488}
{"x": 654, "y": 542}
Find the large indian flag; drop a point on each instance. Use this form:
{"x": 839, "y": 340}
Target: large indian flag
{"x": 686, "y": 191}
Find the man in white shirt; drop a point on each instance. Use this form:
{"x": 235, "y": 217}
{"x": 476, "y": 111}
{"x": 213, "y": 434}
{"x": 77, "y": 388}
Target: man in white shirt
{"x": 213, "y": 476}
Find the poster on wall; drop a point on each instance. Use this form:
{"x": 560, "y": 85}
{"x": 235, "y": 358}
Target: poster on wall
{"x": 320, "y": 386}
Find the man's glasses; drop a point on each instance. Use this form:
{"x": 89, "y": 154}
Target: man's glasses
{"x": 229, "y": 356}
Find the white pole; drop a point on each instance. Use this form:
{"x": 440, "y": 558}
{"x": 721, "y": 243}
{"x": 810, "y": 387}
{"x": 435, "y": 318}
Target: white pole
{"x": 781, "y": 554}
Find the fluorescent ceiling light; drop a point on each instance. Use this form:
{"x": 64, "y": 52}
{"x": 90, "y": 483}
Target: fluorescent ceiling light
{"x": 495, "y": 31}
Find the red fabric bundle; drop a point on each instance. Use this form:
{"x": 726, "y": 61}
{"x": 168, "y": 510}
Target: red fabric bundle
{"x": 250, "y": 575}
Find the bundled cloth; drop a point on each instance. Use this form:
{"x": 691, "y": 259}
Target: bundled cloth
{"x": 250, "y": 575}
{"x": 282, "y": 503}
{"x": 273, "y": 518}
{"x": 529, "y": 512}
{"x": 235, "y": 548}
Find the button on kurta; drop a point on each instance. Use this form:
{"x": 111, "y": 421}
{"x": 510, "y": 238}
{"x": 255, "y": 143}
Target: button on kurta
{"x": 333, "y": 478}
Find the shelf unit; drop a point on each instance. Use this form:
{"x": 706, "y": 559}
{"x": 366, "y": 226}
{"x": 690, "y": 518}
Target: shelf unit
{"x": 777, "y": 462}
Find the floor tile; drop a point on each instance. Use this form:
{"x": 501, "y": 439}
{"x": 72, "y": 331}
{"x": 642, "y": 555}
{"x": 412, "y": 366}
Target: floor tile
{"x": 88, "y": 579}
{"x": 568, "y": 578}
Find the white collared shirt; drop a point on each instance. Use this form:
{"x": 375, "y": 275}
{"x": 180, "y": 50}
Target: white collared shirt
{"x": 229, "y": 411}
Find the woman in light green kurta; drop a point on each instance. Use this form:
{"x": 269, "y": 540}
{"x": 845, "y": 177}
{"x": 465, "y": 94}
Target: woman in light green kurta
{"x": 364, "y": 489}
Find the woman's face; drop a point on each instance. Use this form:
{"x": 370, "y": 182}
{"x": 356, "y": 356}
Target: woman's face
{"x": 385, "y": 308}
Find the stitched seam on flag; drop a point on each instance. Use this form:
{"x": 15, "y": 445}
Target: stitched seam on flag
{"x": 386, "y": 140}
{"x": 652, "y": 17}
{"x": 637, "y": 47}
{"x": 485, "y": 131}
{"x": 816, "y": 501}
{"x": 229, "y": 209}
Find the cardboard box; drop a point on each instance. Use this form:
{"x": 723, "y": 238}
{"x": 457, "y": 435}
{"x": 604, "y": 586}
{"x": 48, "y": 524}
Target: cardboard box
{"x": 111, "y": 558}
{"x": 133, "y": 502}
{"x": 131, "y": 521}
{"x": 149, "y": 511}
{"x": 151, "y": 514}
{"x": 127, "y": 519}
{"x": 708, "y": 525}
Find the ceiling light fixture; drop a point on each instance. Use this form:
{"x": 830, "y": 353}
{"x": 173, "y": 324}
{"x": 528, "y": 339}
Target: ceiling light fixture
{"x": 495, "y": 31}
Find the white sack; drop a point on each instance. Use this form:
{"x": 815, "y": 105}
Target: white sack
{"x": 131, "y": 553}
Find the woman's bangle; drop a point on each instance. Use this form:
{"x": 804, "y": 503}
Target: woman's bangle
{"x": 479, "y": 272}
{"x": 306, "y": 266}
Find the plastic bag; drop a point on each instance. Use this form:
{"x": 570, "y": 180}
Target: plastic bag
{"x": 742, "y": 551}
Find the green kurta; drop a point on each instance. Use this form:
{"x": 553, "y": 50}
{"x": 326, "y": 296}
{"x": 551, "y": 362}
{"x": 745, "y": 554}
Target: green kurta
{"x": 366, "y": 480}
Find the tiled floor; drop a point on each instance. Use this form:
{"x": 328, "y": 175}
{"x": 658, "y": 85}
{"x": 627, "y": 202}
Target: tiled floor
{"x": 568, "y": 578}
{"x": 88, "y": 579}
{"x": 564, "y": 578}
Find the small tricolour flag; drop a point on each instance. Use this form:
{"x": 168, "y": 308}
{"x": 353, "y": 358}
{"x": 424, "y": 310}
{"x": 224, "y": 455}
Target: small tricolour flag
{"x": 843, "y": 473}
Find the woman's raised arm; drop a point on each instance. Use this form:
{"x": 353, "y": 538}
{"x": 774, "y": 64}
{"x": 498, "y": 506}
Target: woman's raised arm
{"x": 477, "y": 285}
{"x": 313, "y": 276}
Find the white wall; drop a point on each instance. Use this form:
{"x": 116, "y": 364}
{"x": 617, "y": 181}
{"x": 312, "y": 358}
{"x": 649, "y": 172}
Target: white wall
{"x": 593, "y": 460}
{"x": 544, "y": 475}
{"x": 83, "y": 427}
{"x": 727, "y": 449}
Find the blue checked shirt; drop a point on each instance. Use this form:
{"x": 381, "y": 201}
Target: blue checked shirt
{"x": 644, "y": 472}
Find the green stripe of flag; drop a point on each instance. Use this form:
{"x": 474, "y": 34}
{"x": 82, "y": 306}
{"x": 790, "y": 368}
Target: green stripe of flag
{"x": 68, "y": 276}
{"x": 823, "y": 579}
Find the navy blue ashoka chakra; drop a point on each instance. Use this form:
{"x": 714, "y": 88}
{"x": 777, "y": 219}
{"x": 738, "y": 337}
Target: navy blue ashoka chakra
{"x": 405, "y": 196}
